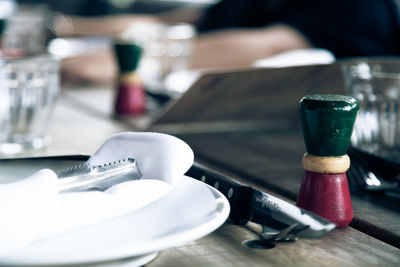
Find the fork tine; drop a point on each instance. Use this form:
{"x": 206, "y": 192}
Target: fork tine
{"x": 360, "y": 174}
{"x": 351, "y": 177}
{"x": 356, "y": 173}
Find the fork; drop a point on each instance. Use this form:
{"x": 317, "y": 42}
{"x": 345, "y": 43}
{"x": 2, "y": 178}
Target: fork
{"x": 361, "y": 176}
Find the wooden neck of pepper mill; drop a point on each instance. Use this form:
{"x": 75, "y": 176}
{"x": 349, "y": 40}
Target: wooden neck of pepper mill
{"x": 327, "y": 124}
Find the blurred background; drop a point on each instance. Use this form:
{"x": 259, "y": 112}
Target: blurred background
{"x": 111, "y": 7}
{"x": 179, "y": 47}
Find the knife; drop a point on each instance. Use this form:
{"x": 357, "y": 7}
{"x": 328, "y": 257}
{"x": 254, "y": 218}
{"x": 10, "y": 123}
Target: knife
{"x": 280, "y": 219}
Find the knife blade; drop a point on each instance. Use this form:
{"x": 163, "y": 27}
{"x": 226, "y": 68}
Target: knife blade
{"x": 250, "y": 204}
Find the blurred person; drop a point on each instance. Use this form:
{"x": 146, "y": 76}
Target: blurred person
{"x": 235, "y": 33}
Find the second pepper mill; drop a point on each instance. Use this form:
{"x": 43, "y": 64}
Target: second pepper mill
{"x": 131, "y": 95}
{"x": 327, "y": 123}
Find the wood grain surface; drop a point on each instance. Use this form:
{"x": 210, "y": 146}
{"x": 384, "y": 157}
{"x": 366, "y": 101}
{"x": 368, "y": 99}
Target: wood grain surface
{"x": 255, "y": 94}
{"x": 266, "y": 155}
{"x": 225, "y": 247}
{"x": 270, "y": 156}
{"x": 230, "y": 249}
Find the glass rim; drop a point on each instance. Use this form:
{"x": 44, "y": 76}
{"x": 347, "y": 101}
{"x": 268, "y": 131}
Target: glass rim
{"x": 385, "y": 74}
{"x": 371, "y": 70}
{"x": 29, "y": 59}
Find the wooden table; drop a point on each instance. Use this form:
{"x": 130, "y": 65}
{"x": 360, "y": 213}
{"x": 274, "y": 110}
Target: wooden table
{"x": 245, "y": 125}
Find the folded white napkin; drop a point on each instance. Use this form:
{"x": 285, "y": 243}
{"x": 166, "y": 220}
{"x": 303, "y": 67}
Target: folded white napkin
{"x": 159, "y": 156}
{"x": 297, "y": 57}
{"x": 27, "y": 209}
{"x": 190, "y": 204}
{"x": 32, "y": 209}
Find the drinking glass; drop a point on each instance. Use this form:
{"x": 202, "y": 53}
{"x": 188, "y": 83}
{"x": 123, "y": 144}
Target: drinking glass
{"x": 28, "y": 90}
{"x": 26, "y": 29}
{"x": 376, "y": 86}
{"x": 7, "y": 9}
{"x": 167, "y": 49}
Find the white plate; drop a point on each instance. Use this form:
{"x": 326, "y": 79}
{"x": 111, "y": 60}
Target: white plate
{"x": 126, "y": 262}
{"x": 110, "y": 242}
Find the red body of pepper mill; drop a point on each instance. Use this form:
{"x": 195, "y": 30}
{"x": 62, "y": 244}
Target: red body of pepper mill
{"x": 327, "y": 123}
{"x": 131, "y": 95}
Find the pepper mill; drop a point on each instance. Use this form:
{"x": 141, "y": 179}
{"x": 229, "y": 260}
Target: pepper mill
{"x": 131, "y": 95}
{"x": 327, "y": 123}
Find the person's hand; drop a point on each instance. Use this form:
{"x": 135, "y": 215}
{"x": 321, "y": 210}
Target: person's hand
{"x": 74, "y": 26}
{"x": 97, "y": 67}
{"x": 241, "y": 47}
{"x": 12, "y": 52}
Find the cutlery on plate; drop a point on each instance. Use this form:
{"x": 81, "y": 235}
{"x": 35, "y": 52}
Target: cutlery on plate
{"x": 84, "y": 177}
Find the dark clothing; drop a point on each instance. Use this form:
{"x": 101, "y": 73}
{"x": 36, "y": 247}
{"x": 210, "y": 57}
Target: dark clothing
{"x": 347, "y": 28}
{"x": 75, "y": 7}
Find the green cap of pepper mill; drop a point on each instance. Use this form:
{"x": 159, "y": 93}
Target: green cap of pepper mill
{"x": 128, "y": 55}
{"x": 327, "y": 123}
{"x": 2, "y": 26}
